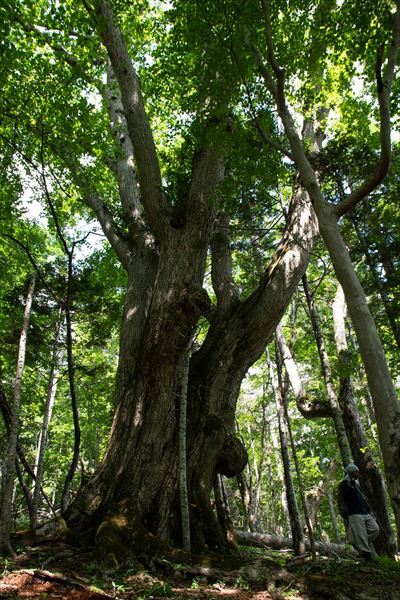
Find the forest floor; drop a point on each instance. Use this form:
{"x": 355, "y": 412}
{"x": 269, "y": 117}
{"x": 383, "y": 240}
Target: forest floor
{"x": 56, "y": 570}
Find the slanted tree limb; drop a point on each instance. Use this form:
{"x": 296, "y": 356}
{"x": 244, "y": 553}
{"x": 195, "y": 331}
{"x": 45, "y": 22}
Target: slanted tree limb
{"x": 310, "y": 408}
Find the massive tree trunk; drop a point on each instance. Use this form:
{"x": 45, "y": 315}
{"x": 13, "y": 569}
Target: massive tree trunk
{"x": 138, "y": 476}
{"x": 237, "y": 335}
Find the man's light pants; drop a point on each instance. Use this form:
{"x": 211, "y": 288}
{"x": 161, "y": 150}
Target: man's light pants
{"x": 363, "y": 530}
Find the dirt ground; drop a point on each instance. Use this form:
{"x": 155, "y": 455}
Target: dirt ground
{"x": 55, "y": 571}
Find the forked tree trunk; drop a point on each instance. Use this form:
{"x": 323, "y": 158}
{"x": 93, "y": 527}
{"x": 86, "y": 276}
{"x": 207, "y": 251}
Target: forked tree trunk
{"x": 139, "y": 473}
{"x": 11, "y": 456}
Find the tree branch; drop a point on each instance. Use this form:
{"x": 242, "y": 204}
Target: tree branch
{"x": 269, "y": 81}
{"x": 384, "y": 86}
{"x": 111, "y": 231}
{"x": 154, "y": 202}
{"x": 123, "y": 167}
{"x": 279, "y": 72}
{"x": 34, "y": 264}
{"x": 310, "y": 408}
{"x": 94, "y": 201}
{"x": 276, "y": 88}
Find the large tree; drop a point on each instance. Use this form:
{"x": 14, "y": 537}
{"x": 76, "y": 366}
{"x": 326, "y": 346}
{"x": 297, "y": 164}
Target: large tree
{"x": 165, "y": 258}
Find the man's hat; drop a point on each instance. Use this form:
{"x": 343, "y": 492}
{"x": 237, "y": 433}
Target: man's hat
{"x": 351, "y": 468}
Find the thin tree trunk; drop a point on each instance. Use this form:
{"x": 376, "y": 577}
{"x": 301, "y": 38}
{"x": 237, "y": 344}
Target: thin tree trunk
{"x": 222, "y": 510}
{"x": 272, "y": 521}
{"x": 183, "y": 491}
{"x": 343, "y": 442}
{"x": 295, "y": 524}
{"x": 371, "y": 479}
{"x": 255, "y": 476}
{"x": 51, "y": 394}
{"x": 316, "y": 494}
{"x": 300, "y": 484}
{"x": 245, "y": 494}
{"x": 367, "y": 398}
{"x": 280, "y": 477}
{"x": 6, "y": 412}
{"x": 11, "y": 456}
{"x": 332, "y": 512}
{"x": 284, "y": 387}
{"x": 71, "y": 378}
{"x": 261, "y": 464}
{"x": 24, "y": 488}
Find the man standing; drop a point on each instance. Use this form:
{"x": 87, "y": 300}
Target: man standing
{"x": 362, "y": 525}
